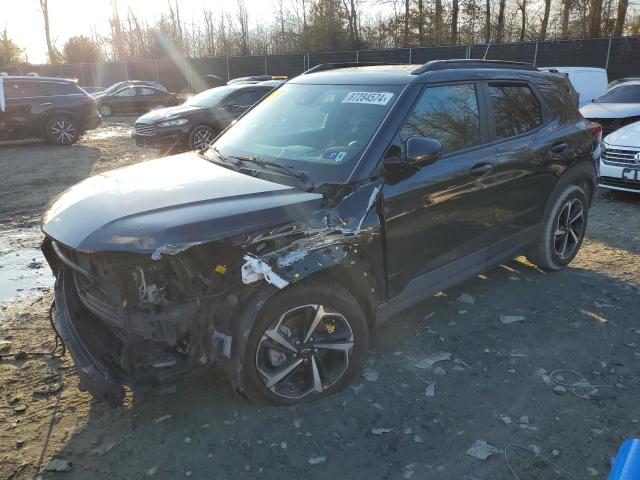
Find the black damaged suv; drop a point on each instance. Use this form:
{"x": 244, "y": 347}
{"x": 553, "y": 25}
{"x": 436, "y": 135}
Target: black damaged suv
{"x": 346, "y": 195}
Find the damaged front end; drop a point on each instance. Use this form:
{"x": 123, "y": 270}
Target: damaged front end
{"x": 132, "y": 318}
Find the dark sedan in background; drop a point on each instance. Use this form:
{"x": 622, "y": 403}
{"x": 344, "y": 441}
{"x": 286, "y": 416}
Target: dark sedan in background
{"x": 134, "y": 99}
{"x": 197, "y": 122}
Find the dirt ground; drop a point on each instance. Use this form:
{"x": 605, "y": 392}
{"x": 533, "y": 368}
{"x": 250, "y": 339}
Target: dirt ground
{"x": 498, "y": 385}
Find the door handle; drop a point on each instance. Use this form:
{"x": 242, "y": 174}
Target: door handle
{"x": 480, "y": 169}
{"x": 559, "y": 147}
{"x": 46, "y": 103}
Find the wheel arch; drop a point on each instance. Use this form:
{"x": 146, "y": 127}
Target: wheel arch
{"x": 55, "y": 113}
{"x": 583, "y": 175}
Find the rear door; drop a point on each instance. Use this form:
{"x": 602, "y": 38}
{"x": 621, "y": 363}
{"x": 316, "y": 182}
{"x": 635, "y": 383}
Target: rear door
{"x": 147, "y": 98}
{"x": 442, "y": 217}
{"x": 22, "y": 108}
{"x": 524, "y": 136}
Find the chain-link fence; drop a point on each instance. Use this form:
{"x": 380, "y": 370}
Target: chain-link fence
{"x": 620, "y": 56}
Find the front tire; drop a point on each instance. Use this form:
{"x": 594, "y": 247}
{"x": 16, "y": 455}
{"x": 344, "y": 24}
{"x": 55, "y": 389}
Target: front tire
{"x": 309, "y": 341}
{"x": 201, "y": 137}
{"x": 105, "y": 110}
{"x": 564, "y": 230}
{"x": 62, "y": 130}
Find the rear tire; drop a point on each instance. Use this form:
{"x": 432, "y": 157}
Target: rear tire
{"x": 564, "y": 230}
{"x": 327, "y": 328}
{"x": 62, "y": 130}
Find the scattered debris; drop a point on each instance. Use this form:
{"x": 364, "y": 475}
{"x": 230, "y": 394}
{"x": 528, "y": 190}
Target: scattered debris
{"x": 431, "y": 360}
{"x": 59, "y": 465}
{"x": 429, "y": 315}
{"x": 370, "y": 375}
{"x": 506, "y": 420}
{"x": 20, "y": 408}
{"x": 188, "y": 440}
{"x": 162, "y": 418}
{"x": 466, "y": 298}
{"x": 555, "y": 452}
{"x": 523, "y": 420}
{"x": 380, "y": 431}
{"x": 559, "y": 390}
{"x": 417, "y": 439}
{"x": 592, "y": 471}
{"x": 152, "y": 471}
{"x": 358, "y": 387}
{"x": 430, "y": 391}
{"x": 509, "y": 319}
{"x": 283, "y": 445}
{"x": 439, "y": 371}
{"x": 317, "y": 460}
{"x": 482, "y": 450}
{"x": 5, "y": 345}
{"x": 535, "y": 449}
{"x": 462, "y": 312}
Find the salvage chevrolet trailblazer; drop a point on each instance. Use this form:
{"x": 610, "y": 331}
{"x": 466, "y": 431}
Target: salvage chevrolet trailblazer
{"x": 346, "y": 195}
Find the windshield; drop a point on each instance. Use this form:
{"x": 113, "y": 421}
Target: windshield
{"x": 208, "y": 98}
{"x": 621, "y": 94}
{"x": 320, "y": 129}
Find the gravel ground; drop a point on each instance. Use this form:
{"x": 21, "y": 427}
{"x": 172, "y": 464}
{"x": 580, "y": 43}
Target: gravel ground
{"x": 406, "y": 418}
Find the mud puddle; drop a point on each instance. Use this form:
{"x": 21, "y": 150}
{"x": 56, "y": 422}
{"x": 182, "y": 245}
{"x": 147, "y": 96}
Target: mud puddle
{"x": 23, "y": 268}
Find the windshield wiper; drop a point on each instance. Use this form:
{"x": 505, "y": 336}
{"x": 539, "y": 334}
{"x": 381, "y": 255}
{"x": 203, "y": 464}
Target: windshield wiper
{"x": 287, "y": 169}
{"x": 223, "y": 160}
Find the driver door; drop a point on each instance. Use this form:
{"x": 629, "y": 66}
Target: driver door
{"x": 440, "y": 219}
{"x": 122, "y": 101}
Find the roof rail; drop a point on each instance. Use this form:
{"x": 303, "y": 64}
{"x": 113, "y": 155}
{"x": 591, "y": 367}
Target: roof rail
{"x": 436, "y": 65}
{"x": 333, "y": 66}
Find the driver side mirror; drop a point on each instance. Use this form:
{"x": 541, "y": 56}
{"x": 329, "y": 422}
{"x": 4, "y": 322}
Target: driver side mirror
{"x": 421, "y": 151}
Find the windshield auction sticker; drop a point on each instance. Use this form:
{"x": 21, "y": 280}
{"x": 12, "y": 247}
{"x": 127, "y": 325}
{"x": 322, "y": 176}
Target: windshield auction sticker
{"x": 368, "y": 98}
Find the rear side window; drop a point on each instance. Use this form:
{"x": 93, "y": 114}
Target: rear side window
{"x": 247, "y": 97}
{"x": 516, "y": 109}
{"x": 22, "y": 89}
{"x": 145, "y": 92}
{"x": 448, "y": 114}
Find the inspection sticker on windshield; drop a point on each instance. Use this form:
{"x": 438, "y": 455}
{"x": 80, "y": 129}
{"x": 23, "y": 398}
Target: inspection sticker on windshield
{"x": 368, "y": 98}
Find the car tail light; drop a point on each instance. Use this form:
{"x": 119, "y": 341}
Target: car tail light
{"x": 595, "y": 129}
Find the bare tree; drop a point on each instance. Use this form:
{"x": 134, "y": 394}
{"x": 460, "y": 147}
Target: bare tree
{"x": 566, "y": 12}
{"x": 487, "y": 23}
{"x": 438, "y": 22}
{"x": 405, "y": 42}
{"x": 351, "y": 7}
{"x": 500, "y": 25}
{"x": 420, "y": 20}
{"x": 243, "y": 23}
{"x": 523, "y": 25}
{"x": 44, "y": 6}
{"x": 455, "y": 8}
{"x": 623, "y": 5}
{"x": 116, "y": 29}
{"x": 545, "y": 19}
{"x": 595, "y": 18}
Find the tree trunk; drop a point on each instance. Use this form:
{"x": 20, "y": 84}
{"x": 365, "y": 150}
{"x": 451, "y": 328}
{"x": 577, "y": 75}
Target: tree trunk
{"x": 455, "y": 8}
{"x": 500, "y": 25}
{"x": 421, "y": 22}
{"x": 620, "y": 18}
{"x": 595, "y": 18}
{"x": 487, "y": 26}
{"x": 545, "y": 19}
{"x": 44, "y": 5}
{"x": 405, "y": 41}
{"x": 523, "y": 26}
{"x": 438, "y": 22}
{"x": 566, "y": 12}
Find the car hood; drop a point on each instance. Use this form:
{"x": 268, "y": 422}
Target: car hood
{"x": 610, "y": 110}
{"x": 168, "y": 203}
{"x": 169, "y": 112}
{"x": 628, "y": 136}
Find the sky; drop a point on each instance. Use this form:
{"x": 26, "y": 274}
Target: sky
{"x": 25, "y": 26}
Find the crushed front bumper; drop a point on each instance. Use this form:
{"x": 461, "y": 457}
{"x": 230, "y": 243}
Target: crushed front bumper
{"x": 95, "y": 376}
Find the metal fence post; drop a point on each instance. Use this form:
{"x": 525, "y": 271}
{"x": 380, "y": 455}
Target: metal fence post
{"x": 94, "y": 80}
{"x": 188, "y": 62}
{"x": 606, "y": 63}
{"x": 228, "y": 76}
{"x": 410, "y": 55}
{"x": 468, "y": 52}
{"x": 157, "y": 72}
{"x": 126, "y": 70}
{"x": 357, "y": 56}
{"x": 535, "y": 55}
{"x": 266, "y": 71}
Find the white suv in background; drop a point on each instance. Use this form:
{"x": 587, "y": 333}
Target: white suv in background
{"x": 620, "y": 159}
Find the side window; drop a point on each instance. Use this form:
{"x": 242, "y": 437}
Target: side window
{"x": 448, "y": 114}
{"x": 126, "y": 92}
{"x": 247, "y": 98}
{"x": 516, "y": 109}
{"x": 145, "y": 92}
{"x": 22, "y": 89}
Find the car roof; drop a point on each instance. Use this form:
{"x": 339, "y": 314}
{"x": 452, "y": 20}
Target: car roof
{"x": 35, "y": 79}
{"x": 439, "y": 71}
{"x": 573, "y": 69}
